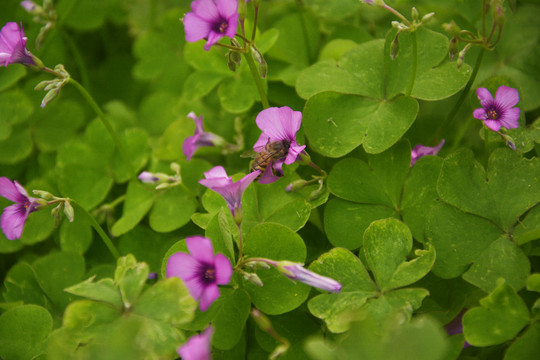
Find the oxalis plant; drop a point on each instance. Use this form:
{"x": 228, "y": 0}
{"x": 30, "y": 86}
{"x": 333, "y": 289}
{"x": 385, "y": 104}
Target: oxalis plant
{"x": 232, "y": 179}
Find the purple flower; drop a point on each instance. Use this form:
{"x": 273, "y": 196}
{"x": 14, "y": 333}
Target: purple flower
{"x": 199, "y": 139}
{"x": 278, "y": 124}
{"x": 420, "y": 150}
{"x": 13, "y": 46}
{"x": 499, "y": 111}
{"x": 211, "y": 20}
{"x": 201, "y": 271}
{"x": 297, "y": 272}
{"x": 28, "y": 5}
{"x": 14, "y": 216}
{"x": 147, "y": 177}
{"x": 198, "y": 346}
{"x": 456, "y": 327}
{"x": 217, "y": 180}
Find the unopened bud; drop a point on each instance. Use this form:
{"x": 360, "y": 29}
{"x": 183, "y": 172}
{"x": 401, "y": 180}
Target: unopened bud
{"x": 257, "y": 265}
{"x": 497, "y": 12}
{"x": 296, "y": 185}
{"x": 55, "y": 213}
{"x": 253, "y": 278}
{"x": 451, "y": 28}
{"x": 453, "y": 48}
{"x": 263, "y": 70}
{"x": 316, "y": 193}
{"x": 262, "y": 321}
{"x": 43, "y": 194}
{"x": 461, "y": 58}
{"x": 175, "y": 167}
{"x": 394, "y": 48}
{"x": 68, "y": 211}
{"x": 427, "y": 18}
{"x": 414, "y": 14}
{"x": 509, "y": 140}
{"x": 49, "y": 97}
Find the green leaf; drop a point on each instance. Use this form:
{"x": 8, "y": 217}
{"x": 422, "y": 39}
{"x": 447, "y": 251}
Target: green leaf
{"x": 330, "y": 9}
{"x": 89, "y": 186}
{"x": 57, "y": 271}
{"x": 528, "y": 229}
{"x": 270, "y": 203}
{"x": 172, "y": 209}
{"x": 345, "y": 221}
{"x": 500, "y": 318}
{"x": 420, "y": 194}
{"x": 139, "y": 200}
{"x": 499, "y": 194}
{"x": 136, "y": 144}
{"x": 76, "y": 236}
{"x": 277, "y": 242}
{"x": 130, "y": 276}
{"x": 16, "y": 107}
{"x": 220, "y": 230}
{"x": 17, "y": 147}
{"x": 533, "y": 282}
{"x": 502, "y": 259}
{"x": 526, "y": 345}
{"x": 386, "y": 244}
{"x": 21, "y": 285}
{"x": 457, "y": 246}
{"x": 202, "y": 60}
{"x": 200, "y": 83}
{"x": 11, "y": 75}
{"x": 238, "y": 95}
{"x": 104, "y": 290}
{"x": 336, "y": 124}
{"x": 230, "y": 318}
{"x": 170, "y": 148}
{"x": 23, "y": 331}
{"x": 167, "y": 301}
{"x": 38, "y": 227}
{"x": 344, "y": 267}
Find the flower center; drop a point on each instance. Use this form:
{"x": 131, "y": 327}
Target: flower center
{"x": 492, "y": 114}
{"x": 209, "y": 275}
{"x": 221, "y": 26}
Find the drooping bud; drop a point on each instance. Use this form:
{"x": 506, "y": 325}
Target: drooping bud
{"x": 50, "y": 96}
{"x": 461, "y": 58}
{"x": 453, "y": 48}
{"x": 296, "y": 185}
{"x": 253, "y": 278}
{"x": 68, "y": 211}
{"x": 394, "y": 48}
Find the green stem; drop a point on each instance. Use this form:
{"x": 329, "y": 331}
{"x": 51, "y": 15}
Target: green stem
{"x": 255, "y": 20}
{"x": 438, "y": 134}
{"x": 240, "y": 245}
{"x": 105, "y": 122}
{"x": 258, "y": 82}
{"x": 414, "y": 63}
{"x": 398, "y": 14}
{"x": 108, "y": 242}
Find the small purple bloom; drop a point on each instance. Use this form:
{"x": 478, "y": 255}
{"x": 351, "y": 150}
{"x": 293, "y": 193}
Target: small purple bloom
{"x": 199, "y": 139}
{"x": 14, "y": 216}
{"x": 28, "y": 5}
{"x": 218, "y": 181}
{"x": 13, "y": 46}
{"x": 456, "y": 327}
{"x": 498, "y": 112}
{"x": 147, "y": 177}
{"x": 200, "y": 270}
{"x": 278, "y": 124}
{"x": 198, "y": 347}
{"x": 420, "y": 150}
{"x": 297, "y": 272}
{"x": 211, "y": 20}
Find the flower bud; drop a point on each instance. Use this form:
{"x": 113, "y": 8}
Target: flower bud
{"x": 451, "y": 28}
{"x": 263, "y": 70}
{"x": 296, "y": 185}
{"x": 175, "y": 167}
{"x": 51, "y": 95}
{"x": 253, "y": 278}
{"x": 68, "y": 211}
{"x": 453, "y": 48}
{"x": 497, "y": 12}
{"x": 394, "y": 48}
{"x": 43, "y": 194}
{"x": 414, "y": 14}
{"x": 147, "y": 177}
{"x": 427, "y": 18}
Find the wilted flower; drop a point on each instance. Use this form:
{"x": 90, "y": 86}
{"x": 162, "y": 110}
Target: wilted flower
{"x": 13, "y": 46}
{"x": 498, "y": 112}
{"x": 200, "y": 270}
{"x": 218, "y": 181}
{"x": 14, "y": 216}
{"x": 420, "y": 150}
{"x": 199, "y": 139}
{"x": 198, "y": 347}
{"x": 28, "y": 5}
{"x": 278, "y": 124}
{"x": 211, "y": 20}
{"x": 296, "y": 271}
{"x": 147, "y": 177}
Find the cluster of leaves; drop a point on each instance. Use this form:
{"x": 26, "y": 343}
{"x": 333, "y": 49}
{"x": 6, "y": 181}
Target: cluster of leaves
{"x": 412, "y": 247}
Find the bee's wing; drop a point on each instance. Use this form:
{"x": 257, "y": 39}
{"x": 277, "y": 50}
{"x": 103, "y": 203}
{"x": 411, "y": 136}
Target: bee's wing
{"x": 249, "y": 154}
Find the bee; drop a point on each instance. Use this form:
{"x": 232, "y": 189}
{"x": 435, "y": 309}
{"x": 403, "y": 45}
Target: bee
{"x": 276, "y": 150}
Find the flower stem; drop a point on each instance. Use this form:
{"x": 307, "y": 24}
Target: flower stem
{"x": 438, "y": 134}
{"x": 397, "y": 13}
{"x": 106, "y": 123}
{"x": 108, "y": 242}
{"x": 240, "y": 245}
{"x": 257, "y": 78}
{"x": 414, "y": 63}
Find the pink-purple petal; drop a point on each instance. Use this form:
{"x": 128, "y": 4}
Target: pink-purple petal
{"x": 223, "y": 269}
{"x": 247, "y": 180}
{"x": 195, "y": 27}
{"x": 206, "y": 9}
{"x": 198, "y": 347}
{"x": 506, "y": 97}
{"x": 213, "y": 38}
{"x": 494, "y": 125}
{"x": 189, "y": 147}
{"x": 484, "y": 96}
{"x": 480, "y": 114}
{"x": 209, "y": 295}
{"x": 268, "y": 176}
{"x": 200, "y": 248}
{"x": 217, "y": 172}
{"x": 227, "y": 8}
{"x": 182, "y": 265}
{"x": 510, "y": 118}
{"x": 232, "y": 25}
{"x": 10, "y": 191}
{"x": 13, "y": 220}
{"x": 294, "y": 151}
